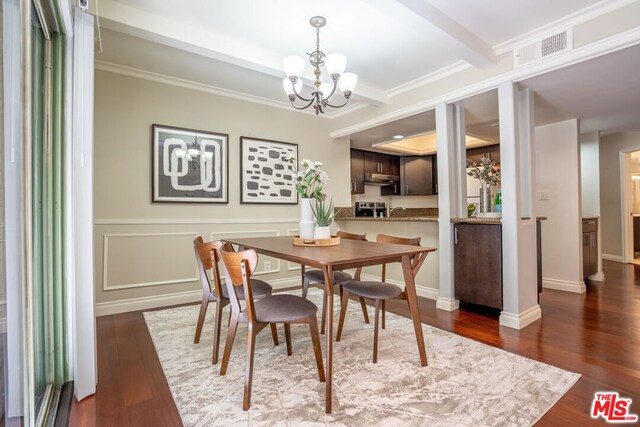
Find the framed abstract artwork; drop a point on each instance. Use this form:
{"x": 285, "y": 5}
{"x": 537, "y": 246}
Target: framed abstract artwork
{"x": 189, "y": 166}
{"x": 266, "y": 176}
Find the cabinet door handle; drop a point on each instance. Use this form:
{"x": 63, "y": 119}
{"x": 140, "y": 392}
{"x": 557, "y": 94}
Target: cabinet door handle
{"x": 406, "y": 188}
{"x": 436, "y": 188}
{"x": 395, "y": 189}
{"x": 353, "y": 187}
{"x": 455, "y": 235}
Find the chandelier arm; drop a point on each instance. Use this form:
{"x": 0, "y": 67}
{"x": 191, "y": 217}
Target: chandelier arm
{"x": 295, "y": 92}
{"x": 302, "y": 108}
{"x": 336, "y": 106}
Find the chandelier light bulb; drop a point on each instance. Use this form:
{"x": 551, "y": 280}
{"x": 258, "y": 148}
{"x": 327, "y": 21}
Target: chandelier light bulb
{"x": 193, "y": 152}
{"x": 335, "y": 63}
{"x": 180, "y": 153}
{"x": 326, "y": 89}
{"x": 347, "y": 82}
{"x": 293, "y": 66}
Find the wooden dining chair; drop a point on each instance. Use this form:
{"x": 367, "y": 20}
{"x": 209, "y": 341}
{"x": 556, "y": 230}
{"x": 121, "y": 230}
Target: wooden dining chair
{"x": 316, "y": 278}
{"x": 207, "y": 260}
{"x": 257, "y": 315}
{"x": 380, "y": 291}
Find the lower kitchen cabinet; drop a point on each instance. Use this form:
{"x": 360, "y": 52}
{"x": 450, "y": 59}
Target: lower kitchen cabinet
{"x": 478, "y": 264}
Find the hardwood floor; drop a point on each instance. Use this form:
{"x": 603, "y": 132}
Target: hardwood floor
{"x": 596, "y": 334}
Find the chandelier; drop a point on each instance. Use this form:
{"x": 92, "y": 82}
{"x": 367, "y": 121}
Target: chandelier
{"x": 334, "y": 64}
{"x": 192, "y": 154}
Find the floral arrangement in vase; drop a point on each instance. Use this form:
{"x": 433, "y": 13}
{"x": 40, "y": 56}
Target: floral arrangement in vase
{"x": 488, "y": 175}
{"x": 310, "y": 180}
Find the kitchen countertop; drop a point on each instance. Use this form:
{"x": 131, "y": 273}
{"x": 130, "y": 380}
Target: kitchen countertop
{"x": 390, "y": 219}
{"x": 486, "y": 220}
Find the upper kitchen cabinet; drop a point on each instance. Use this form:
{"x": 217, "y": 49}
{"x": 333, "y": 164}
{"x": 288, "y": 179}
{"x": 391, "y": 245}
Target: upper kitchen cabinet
{"x": 491, "y": 151}
{"x": 416, "y": 176}
{"x": 381, "y": 163}
{"x": 357, "y": 172}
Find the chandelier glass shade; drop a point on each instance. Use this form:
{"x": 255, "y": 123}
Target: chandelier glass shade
{"x": 334, "y": 64}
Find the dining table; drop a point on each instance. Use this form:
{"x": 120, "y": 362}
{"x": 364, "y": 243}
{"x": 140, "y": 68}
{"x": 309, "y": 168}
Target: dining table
{"x": 348, "y": 254}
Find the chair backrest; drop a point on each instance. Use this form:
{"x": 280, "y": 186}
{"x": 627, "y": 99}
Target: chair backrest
{"x": 351, "y": 236}
{"x": 385, "y": 238}
{"x": 239, "y": 267}
{"x": 207, "y": 258}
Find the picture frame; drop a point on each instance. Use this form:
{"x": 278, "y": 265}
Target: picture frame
{"x": 189, "y": 166}
{"x": 265, "y": 177}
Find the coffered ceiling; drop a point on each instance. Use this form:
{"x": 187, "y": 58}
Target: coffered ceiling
{"x": 237, "y": 46}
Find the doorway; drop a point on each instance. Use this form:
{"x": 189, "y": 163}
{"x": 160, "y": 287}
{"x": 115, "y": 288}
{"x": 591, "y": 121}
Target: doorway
{"x": 630, "y": 192}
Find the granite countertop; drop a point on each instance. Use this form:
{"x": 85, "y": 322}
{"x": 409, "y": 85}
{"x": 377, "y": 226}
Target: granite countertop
{"x": 390, "y": 219}
{"x": 487, "y": 220}
{"x": 597, "y": 217}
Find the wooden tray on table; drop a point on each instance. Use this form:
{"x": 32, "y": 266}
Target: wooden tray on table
{"x": 332, "y": 241}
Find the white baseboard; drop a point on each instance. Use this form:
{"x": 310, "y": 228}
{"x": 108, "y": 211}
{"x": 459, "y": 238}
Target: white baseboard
{"x": 422, "y": 291}
{"x": 447, "y": 304}
{"x": 165, "y": 300}
{"x": 519, "y": 321}
{"x": 564, "y": 285}
{"x": 609, "y": 257}
{"x": 598, "y": 277}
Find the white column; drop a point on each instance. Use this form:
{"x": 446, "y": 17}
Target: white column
{"x": 519, "y": 248}
{"x": 452, "y": 193}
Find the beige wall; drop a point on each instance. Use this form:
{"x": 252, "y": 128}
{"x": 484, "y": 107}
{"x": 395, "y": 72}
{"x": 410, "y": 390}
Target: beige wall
{"x": 143, "y": 252}
{"x": 611, "y": 217}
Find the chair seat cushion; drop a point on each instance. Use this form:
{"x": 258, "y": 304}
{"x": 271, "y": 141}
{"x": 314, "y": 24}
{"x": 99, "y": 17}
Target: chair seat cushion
{"x": 282, "y": 309}
{"x": 372, "y": 290}
{"x": 318, "y": 276}
{"x": 260, "y": 288}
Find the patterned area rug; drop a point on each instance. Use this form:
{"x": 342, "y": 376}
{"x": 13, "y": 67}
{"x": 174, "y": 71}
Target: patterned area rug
{"x": 466, "y": 383}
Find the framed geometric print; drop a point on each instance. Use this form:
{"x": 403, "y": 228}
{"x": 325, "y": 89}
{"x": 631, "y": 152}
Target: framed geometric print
{"x": 189, "y": 166}
{"x": 266, "y": 175}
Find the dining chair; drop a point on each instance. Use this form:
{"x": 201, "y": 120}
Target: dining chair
{"x": 208, "y": 259}
{"x": 380, "y": 291}
{"x": 281, "y": 308}
{"x": 316, "y": 277}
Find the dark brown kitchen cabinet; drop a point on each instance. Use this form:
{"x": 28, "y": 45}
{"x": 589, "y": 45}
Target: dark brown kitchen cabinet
{"x": 416, "y": 176}
{"x": 357, "y": 172}
{"x": 434, "y": 162}
{"x": 589, "y": 247}
{"x": 381, "y": 163}
{"x": 491, "y": 151}
{"x": 478, "y": 263}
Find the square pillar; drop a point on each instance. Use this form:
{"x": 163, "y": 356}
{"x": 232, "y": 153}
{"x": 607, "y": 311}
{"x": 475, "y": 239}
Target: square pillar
{"x": 452, "y": 194}
{"x": 519, "y": 244}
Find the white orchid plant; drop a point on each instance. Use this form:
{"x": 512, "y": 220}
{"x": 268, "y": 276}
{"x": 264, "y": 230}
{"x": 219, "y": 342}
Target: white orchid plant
{"x": 309, "y": 178}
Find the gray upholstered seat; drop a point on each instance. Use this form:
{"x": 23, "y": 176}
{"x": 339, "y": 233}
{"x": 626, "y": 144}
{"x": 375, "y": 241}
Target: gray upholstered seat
{"x": 372, "y": 290}
{"x": 258, "y": 287}
{"x": 282, "y": 309}
{"x": 318, "y": 276}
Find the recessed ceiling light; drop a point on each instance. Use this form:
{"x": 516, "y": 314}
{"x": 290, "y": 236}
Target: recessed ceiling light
{"x": 398, "y": 136}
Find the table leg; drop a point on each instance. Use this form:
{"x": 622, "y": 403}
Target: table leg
{"x": 328, "y": 281}
{"x": 412, "y": 298}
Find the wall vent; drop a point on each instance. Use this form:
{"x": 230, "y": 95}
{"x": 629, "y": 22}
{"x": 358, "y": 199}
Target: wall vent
{"x": 548, "y": 45}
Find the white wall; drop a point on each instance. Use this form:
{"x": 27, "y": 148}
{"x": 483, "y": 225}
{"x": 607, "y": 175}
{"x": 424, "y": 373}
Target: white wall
{"x": 558, "y": 174}
{"x": 590, "y": 174}
{"x": 143, "y": 250}
{"x": 611, "y": 145}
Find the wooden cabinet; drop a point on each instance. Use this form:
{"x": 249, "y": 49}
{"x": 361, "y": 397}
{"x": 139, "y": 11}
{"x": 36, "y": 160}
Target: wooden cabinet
{"x": 492, "y": 151}
{"x": 589, "y": 247}
{"x": 416, "y": 176}
{"x": 357, "y": 172}
{"x": 381, "y": 163}
{"x": 478, "y": 264}
{"x": 435, "y": 174}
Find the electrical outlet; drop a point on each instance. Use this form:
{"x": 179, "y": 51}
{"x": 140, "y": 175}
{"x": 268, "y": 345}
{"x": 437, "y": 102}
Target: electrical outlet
{"x": 543, "y": 195}
{"x": 267, "y": 265}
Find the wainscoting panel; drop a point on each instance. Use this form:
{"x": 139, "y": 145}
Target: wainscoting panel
{"x": 266, "y": 265}
{"x": 147, "y": 259}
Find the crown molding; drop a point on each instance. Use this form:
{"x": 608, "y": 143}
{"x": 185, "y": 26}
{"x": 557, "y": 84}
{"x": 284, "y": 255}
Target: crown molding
{"x": 582, "y": 15}
{"x": 188, "y": 84}
{"x": 611, "y": 44}
{"x": 447, "y": 71}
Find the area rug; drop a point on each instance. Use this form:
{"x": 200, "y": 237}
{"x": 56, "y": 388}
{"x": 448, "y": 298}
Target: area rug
{"x": 466, "y": 383}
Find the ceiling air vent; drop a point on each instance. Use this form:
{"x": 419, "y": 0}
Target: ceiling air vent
{"x": 546, "y": 46}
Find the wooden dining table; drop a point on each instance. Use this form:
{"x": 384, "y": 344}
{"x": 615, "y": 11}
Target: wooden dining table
{"x": 348, "y": 254}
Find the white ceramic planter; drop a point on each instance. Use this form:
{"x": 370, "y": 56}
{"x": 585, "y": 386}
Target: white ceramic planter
{"x": 307, "y": 223}
{"x": 322, "y": 233}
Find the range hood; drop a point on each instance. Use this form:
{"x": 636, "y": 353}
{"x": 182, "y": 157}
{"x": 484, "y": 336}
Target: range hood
{"x": 380, "y": 179}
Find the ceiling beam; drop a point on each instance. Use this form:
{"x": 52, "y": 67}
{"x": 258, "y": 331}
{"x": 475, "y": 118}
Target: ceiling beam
{"x": 464, "y": 43}
{"x": 180, "y": 35}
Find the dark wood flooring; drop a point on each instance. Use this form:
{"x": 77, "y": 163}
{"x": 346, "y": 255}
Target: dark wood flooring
{"x": 596, "y": 334}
